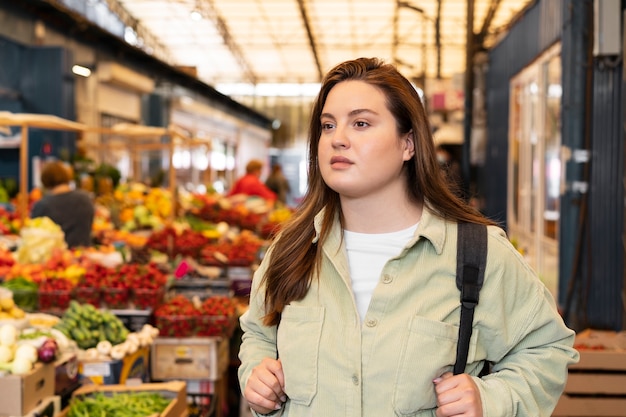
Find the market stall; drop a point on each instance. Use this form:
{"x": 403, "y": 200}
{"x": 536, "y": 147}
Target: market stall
{"x": 27, "y": 121}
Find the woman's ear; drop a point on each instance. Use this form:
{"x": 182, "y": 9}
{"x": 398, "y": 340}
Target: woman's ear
{"x": 409, "y": 146}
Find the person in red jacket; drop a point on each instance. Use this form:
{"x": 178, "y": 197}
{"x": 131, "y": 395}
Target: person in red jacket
{"x": 251, "y": 184}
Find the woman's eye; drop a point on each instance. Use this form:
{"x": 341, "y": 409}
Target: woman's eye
{"x": 327, "y": 126}
{"x": 361, "y": 123}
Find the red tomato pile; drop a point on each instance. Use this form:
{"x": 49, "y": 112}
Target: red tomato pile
{"x": 180, "y": 318}
{"x": 55, "y": 294}
{"x": 177, "y": 317}
{"x": 241, "y": 251}
{"x": 88, "y": 289}
{"x": 131, "y": 284}
{"x": 147, "y": 283}
{"x": 173, "y": 244}
{"x": 217, "y": 317}
{"x": 115, "y": 287}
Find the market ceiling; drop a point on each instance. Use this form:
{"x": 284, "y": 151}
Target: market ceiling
{"x": 296, "y": 41}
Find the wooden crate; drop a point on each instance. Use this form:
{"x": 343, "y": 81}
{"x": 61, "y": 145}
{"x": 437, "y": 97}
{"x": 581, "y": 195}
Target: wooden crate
{"x": 596, "y": 386}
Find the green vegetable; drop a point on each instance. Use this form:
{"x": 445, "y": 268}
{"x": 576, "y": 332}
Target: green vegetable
{"x": 122, "y": 404}
{"x": 88, "y": 326}
{"x": 24, "y": 292}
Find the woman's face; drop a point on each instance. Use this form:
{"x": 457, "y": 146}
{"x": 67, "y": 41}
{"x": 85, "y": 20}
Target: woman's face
{"x": 360, "y": 153}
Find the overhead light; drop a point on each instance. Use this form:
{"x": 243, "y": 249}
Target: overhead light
{"x": 196, "y": 15}
{"x": 80, "y": 70}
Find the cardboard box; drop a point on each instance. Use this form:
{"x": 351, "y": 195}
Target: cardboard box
{"x": 189, "y": 358}
{"x": 49, "y": 407}
{"x": 109, "y": 372}
{"x": 177, "y": 390}
{"x": 22, "y": 393}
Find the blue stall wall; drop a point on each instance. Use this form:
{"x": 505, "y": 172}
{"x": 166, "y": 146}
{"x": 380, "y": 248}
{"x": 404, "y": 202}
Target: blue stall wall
{"x": 37, "y": 80}
{"x": 601, "y": 272}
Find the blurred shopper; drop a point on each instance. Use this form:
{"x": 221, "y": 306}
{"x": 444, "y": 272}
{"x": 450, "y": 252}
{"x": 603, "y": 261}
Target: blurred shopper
{"x": 452, "y": 170}
{"x": 278, "y": 183}
{"x": 251, "y": 184}
{"x": 73, "y": 210}
{"x": 354, "y": 310}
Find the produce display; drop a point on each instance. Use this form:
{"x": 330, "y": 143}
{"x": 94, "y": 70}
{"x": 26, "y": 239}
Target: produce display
{"x": 184, "y": 317}
{"x": 56, "y": 301}
{"x": 40, "y": 236}
{"x": 18, "y": 356}
{"x": 12, "y": 300}
{"x": 88, "y": 326}
{"x": 128, "y": 404}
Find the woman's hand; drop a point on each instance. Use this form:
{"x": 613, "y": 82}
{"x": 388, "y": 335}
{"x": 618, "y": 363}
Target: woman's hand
{"x": 265, "y": 388}
{"x": 457, "y": 395}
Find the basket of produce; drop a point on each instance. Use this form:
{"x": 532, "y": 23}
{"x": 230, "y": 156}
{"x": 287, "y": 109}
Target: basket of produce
{"x": 166, "y": 399}
{"x": 217, "y": 317}
{"x": 55, "y": 294}
{"x": 177, "y": 317}
{"x": 147, "y": 284}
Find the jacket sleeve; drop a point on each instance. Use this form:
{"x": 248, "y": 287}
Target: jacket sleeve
{"x": 258, "y": 341}
{"x": 531, "y": 348}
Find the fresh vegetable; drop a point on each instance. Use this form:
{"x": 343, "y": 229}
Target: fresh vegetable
{"x": 55, "y": 294}
{"x": 47, "y": 352}
{"x": 24, "y": 292}
{"x": 19, "y": 366}
{"x": 26, "y": 351}
{"x": 127, "y": 404}
{"x": 88, "y": 326}
{"x": 6, "y": 354}
{"x": 8, "y": 335}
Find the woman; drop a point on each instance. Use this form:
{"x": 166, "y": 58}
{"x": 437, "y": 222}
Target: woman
{"x": 73, "y": 210}
{"x": 354, "y": 311}
{"x": 278, "y": 183}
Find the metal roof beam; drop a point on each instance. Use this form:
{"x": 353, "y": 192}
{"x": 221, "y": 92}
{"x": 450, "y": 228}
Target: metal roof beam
{"x": 491, "y": 13}
{"x": 208, "y": 7}
{"x": 309, "y": 32}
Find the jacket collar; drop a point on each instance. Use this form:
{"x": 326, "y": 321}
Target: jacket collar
{"x": 431, "y": 227}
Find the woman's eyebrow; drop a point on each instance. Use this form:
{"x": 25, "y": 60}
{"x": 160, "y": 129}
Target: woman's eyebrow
{"x": 354, "y": 112}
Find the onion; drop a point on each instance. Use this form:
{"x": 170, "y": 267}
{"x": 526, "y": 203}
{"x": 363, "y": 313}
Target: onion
{"x": 47, "y": 351}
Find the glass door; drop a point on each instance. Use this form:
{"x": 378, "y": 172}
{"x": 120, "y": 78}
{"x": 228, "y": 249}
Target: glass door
{"x": 535, "y": 173}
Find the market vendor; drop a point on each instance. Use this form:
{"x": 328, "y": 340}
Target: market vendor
{"x": 73, "y": 210}
{"x": 251, "y": 184}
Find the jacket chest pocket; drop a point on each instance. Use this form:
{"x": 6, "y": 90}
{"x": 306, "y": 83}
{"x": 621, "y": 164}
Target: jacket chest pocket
{"x": 298, "y": 342}
{"x": 429, "y": 351}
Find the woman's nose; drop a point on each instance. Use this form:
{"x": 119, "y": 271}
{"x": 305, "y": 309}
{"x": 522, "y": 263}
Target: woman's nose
{"x": 340, "y": 137}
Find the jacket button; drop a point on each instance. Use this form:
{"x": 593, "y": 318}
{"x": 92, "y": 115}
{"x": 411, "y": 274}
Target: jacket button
{"x": 371, "y": 322}
{"x": 387, "y": 279}
{"x": 355, "y": 379}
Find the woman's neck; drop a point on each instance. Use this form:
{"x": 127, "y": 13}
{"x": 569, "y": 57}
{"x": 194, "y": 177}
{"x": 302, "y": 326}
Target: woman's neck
{"x": 371, "y": 218}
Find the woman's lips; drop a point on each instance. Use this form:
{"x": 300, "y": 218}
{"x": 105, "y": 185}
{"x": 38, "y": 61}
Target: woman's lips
{"x": 340, "y": 161}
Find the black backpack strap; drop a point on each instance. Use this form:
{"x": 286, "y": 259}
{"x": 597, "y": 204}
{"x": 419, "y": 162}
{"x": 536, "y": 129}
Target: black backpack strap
{"x": 470, "y": 273}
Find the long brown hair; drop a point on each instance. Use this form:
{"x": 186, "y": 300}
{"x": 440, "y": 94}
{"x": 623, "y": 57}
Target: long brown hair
{"x": 295, "y": 258}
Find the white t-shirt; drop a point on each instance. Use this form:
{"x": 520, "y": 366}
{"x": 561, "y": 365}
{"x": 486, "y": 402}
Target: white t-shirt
{"x": 367, "y": 255}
